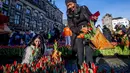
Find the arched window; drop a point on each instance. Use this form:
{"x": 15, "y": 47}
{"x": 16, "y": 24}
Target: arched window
{"x": 41, "y": 17}
{"x": 6, "y": 2}
{"x": 35, "y": 1}
{"x": 34, "y": 24}
{"x": 28, "y": 11}
{"x": 18, "y": 6}
{"x": 27, "y": 22}
{"x": 17, "y": 18}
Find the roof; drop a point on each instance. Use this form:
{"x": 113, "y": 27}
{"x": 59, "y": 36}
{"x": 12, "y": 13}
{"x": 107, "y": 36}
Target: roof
{"x": 117, "y": 18}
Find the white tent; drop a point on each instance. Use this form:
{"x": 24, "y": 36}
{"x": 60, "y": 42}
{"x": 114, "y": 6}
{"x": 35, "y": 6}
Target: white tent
{"x": 4, "y": 29}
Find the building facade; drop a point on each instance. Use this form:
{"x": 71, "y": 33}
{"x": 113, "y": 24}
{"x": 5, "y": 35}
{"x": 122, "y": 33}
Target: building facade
{"x": 120, "y": 21}
{"x": 32, "y": 15}
{"x": 111, "y": 22}
{"x": 107, "y": 21}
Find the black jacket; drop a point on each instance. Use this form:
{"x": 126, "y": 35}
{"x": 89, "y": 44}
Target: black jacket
{"x": 80, "y": 17}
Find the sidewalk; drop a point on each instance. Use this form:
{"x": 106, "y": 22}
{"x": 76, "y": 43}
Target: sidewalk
{"x": 117, "y": 64}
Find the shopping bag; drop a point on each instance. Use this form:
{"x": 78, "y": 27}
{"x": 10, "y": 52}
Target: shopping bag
{"x": 100, "y": 42}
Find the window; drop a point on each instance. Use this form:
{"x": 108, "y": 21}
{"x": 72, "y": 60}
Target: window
{"x": 43, "y": 4}
{"x": 41, "y": 17}
{"x": 35, "y": 14}
{"x": 36, "y": 1}
{"x": 18, "y": 6}
{"x": 122, "y": 22}
{"x": 28, "y": 11}
{"x": 5, "y": 12}
{"x": 27, "y": 20}
{"x": 17, "y": 19}
{"x": 34, "y": 24}
{"x": 6, "y": 2}
{"x": 40, "y": 26}
{"x": 1, "y": 5}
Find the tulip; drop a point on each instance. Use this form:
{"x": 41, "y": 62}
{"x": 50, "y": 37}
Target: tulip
{"x": 16, "y": 71}
{"x": 112, "y": 70}
{"x": 95, "y": 68}
{"x": 15, "y": 63}
{"x": 38, "y": 65}
{"x": 7, "y": 65}
{"x": 33, "y": 68}
{"x": 27, "y": 70}
{"x": 89, "y": 24}
{"x": 79, "y": 71}
{"x": 1, "y": 67}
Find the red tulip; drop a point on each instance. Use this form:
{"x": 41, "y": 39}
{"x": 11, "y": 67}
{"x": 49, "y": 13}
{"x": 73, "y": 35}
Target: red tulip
{"x": 94, "y": 67}
{"x": 25, "y": 65}
{"x": 112, "y": 70}
{"x": 16, "y": 72}
{"x": 1, "y": 67}
{"x": 34, "y": 68}
{"x": 90, "y": 29}
{"x": 15, "y": 63}
{"x": 27, "y": 70}
{"x": 7, "y": 72}
{"x": 43, "y": 67}
{"x": 89, "y": 24}
{"x": 38, "y": 65}
{"x": 79, "y": 71}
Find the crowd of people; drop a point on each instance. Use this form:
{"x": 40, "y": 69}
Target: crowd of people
{"x": 121, "y": 32}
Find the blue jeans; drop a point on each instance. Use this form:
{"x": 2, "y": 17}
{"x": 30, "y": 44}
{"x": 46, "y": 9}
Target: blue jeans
{"x": 67, "y": 40}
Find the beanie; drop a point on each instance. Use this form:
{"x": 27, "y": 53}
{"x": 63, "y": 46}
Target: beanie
{"x": 67, "y": 1}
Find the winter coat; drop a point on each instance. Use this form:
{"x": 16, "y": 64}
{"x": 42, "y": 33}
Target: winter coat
{"x": 80, "y": 17}
{"x": 31, "y": 54}
{"x": 67, "y": 31}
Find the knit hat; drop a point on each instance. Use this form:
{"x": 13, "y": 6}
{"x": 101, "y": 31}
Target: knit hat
{"x": 67, "y": 1}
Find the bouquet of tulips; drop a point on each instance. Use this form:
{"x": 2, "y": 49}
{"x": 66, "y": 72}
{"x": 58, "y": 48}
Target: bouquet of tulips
{"x": 89, "y": 30}
{"x": 56, "y": 54}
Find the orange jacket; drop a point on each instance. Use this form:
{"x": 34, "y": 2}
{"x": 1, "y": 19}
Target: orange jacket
{"x": 67, "y": 31}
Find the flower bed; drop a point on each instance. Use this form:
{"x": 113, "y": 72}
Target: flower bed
{"x": 44, "y": 65}
{"x": 48, "y": 64}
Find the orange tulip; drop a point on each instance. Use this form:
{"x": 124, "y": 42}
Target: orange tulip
{"x": 80, "y": 36}
{"x": 84, "y": 29}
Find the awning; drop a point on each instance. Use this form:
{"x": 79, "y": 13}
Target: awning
{"x": 4, "y": 19}
{"x": 4, "y": 29}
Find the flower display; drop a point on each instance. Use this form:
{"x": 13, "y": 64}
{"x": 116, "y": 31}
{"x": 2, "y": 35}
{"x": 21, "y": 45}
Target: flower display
{"x": 53, "y": 63}
{"x": 43, "y": 65}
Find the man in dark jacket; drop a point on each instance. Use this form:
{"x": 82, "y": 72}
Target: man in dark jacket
{"x": 77, "y": 17}
{"x": 107, "y": 33}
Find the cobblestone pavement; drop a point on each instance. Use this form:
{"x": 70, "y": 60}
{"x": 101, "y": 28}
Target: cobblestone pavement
{"x": 118, "y": 65}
